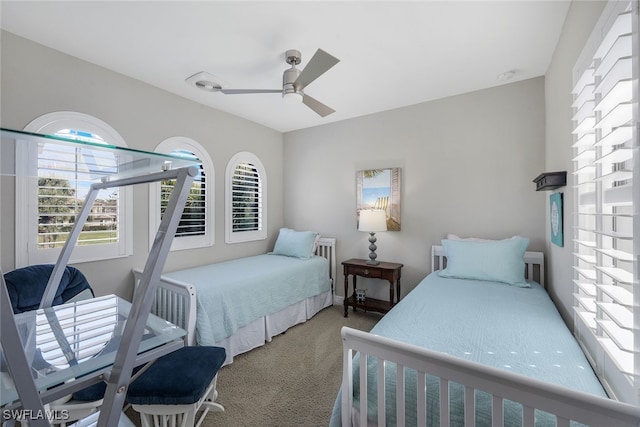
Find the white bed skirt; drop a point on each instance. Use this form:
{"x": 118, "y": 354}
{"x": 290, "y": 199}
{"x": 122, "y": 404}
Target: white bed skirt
{"x": 262, "y": 330}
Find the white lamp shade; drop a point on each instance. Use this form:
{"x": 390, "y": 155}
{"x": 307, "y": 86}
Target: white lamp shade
{"x": 373, "y": 220}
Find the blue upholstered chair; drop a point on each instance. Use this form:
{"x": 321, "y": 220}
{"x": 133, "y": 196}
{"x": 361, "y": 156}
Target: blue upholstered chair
{"x": 26, "y": 286}
{"x": 174, "y": 388}
{"x": 178, "y": 386}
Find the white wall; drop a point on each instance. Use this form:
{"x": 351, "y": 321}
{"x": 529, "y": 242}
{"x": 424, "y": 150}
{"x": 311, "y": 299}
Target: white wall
{"x": 467, "y": 162}
{"x": 578, "y": 25}
{"x": 36, "y": 80}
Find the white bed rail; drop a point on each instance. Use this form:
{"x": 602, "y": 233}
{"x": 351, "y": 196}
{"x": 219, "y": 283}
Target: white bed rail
{"x": 175, "y": 301}
{"x": 566, "y": 404}
{"x": 327, "y": 249}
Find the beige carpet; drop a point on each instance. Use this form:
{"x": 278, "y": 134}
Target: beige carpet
{"x": 292, "y": 380}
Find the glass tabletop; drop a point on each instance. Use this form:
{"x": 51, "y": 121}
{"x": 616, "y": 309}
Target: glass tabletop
{"x": 74, "y": 339}
{"x": 26, "y": 154}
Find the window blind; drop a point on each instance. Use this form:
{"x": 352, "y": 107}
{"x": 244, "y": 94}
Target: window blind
{"x": 64, "y": 177}
{"x": 606, "y": 196}
{"x": 193, "y": 221}
{"x": 246, "y": 210}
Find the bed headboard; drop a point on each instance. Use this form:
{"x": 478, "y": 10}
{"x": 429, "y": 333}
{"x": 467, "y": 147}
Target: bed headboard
{"x": 327, "y": 248}
{"x": 534, "y": 263}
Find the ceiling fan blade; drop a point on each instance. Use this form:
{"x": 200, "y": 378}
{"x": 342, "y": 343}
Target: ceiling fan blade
{"x": 319, "y": 63}
{"x": 317, "y": 106}
{"x": 243, "y": 91}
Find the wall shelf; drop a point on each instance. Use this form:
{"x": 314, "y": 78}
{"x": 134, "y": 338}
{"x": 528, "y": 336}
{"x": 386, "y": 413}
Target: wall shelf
{"x": 550, "y": 180}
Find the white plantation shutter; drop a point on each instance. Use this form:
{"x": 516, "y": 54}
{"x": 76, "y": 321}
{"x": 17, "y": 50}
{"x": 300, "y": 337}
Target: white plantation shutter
{"x": 64, "y": 177}
{"x": 245, "y": 199}
{"x": 46, "y": 206}
{"x": 193, "y": 221}
{"x": 195, "y": 229}
{"x": 606, "y": 200}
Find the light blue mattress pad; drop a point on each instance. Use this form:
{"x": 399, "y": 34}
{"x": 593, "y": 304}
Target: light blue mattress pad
{"x": 232, "y": 294}
{"x": 507, "y": 327}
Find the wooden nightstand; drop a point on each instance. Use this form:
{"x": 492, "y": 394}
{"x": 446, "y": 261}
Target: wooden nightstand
{"x": 388, "y": 271}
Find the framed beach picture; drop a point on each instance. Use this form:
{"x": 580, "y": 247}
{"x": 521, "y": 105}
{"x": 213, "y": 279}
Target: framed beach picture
{"x": 555, "y": 202}
{"x": 380, "y": 189}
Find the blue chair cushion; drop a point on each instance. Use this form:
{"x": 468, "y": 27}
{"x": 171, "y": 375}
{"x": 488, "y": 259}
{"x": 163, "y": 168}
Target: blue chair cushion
{"x": 26, "y": 286}
{"x": 178, "y": 378}
{"x": 92, "y": 393}
{"x": 96, "y": 391}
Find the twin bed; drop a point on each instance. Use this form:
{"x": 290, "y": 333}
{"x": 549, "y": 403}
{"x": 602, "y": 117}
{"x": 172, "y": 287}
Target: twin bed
{"x": 477, "y": 343}
{"x": 474, "y": 344}
{"x": 243, "y": 303}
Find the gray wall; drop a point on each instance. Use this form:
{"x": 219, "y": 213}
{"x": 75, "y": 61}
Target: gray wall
{"x": 467, "y": 167}
{"x": 578, "y": 25}
{"x": 37, "y": 80}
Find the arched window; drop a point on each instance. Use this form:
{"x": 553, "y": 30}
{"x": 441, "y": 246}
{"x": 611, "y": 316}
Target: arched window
{"x": 46, "y": 209}
{"x": 196, "y": 227}
{"x": 246, "y": 199}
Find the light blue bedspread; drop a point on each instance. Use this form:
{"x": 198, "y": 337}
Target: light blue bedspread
{"x": 512, "y": 328}
{"x": 234, "y": 293}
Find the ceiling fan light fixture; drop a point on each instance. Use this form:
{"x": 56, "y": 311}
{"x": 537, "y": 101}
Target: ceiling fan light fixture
{"x": 292, "y": 97}
{"x": 293, "y": 81}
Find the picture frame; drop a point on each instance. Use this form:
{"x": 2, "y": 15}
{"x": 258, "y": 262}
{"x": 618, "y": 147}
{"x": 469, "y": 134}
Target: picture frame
{"x": 380, "y": 189}
{"x": 556, "y": 220}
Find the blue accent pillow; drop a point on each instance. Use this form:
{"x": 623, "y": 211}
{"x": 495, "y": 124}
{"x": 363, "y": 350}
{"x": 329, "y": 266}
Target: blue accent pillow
{"x": 298, "y": 244}
{"x": 495, "y": 261}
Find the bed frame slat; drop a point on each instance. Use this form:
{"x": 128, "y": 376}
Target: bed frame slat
{"x": 347, "y": 385}
{"x": 444, "y": 402}
{"x": 363, "y": 390}
{"x": 497, "y": 411}
{"x": 469, "y": 406}
{"x": 422, "y": 398}
{"x": 382, "y": 407}
{"x": 400, "y": 414}
{"x": 528, "y": 416}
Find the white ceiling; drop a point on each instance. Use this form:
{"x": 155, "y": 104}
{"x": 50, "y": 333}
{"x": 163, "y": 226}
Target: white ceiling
{"x": 392, "y": 53}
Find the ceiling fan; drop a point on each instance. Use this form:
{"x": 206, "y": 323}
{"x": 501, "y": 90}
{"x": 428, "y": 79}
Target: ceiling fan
{"x": 293, "y": 80}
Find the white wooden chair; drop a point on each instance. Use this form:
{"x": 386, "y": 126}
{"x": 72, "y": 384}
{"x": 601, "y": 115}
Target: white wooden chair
{"x": 177, "y": 386}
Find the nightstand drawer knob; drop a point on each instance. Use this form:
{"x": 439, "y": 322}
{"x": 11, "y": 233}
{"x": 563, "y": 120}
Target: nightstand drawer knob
{"x": 366, "y": 272}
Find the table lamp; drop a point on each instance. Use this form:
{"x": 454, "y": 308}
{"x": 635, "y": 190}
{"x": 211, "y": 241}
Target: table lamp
{"x": 372, "y": 220}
